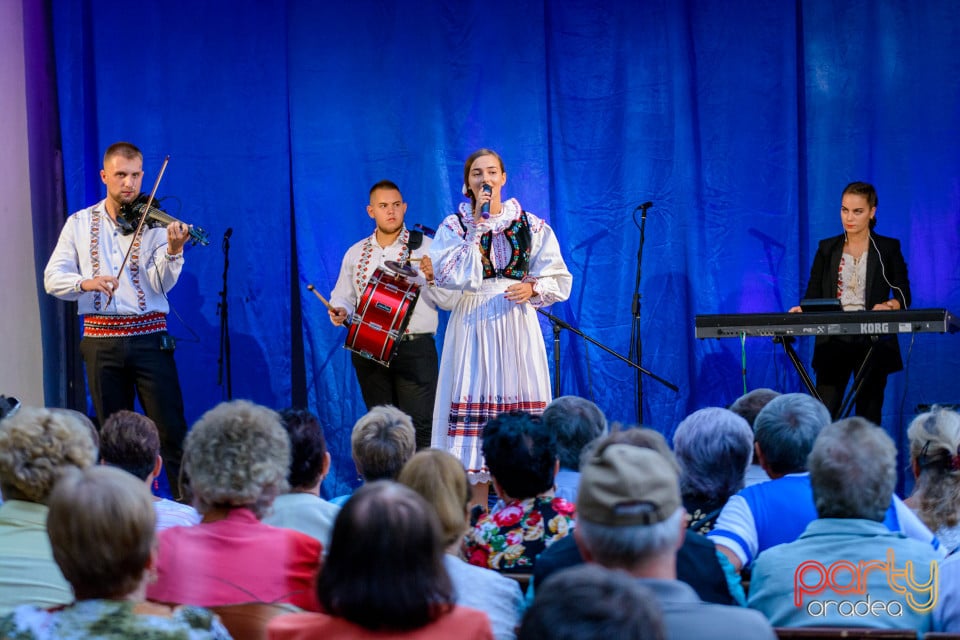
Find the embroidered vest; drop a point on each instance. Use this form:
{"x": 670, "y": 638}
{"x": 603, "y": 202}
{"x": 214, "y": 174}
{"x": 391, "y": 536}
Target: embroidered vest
{"x": 519, "y": 237}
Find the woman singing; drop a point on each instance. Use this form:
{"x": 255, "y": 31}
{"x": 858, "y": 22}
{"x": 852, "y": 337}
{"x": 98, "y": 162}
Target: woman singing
{"x": 507, "y": 262}
{"x": 866, "y": 272}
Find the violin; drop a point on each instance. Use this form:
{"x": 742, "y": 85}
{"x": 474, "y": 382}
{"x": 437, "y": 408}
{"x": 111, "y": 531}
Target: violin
{"x": 130, "y": 216}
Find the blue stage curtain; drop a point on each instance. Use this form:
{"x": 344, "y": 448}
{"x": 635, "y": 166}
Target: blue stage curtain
{"x": 741, "y": 122}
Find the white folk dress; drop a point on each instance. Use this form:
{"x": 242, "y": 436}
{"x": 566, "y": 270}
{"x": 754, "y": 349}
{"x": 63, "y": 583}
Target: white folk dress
{"x": 494, "y": 360}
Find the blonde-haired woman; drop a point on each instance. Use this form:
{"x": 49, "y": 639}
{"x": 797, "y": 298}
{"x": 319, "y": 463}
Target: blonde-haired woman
{"x": 439, "y": 477}
{"x": 935, "y": 459}
{"x": 36, "y": 447}
{"x": 101, "y": 527}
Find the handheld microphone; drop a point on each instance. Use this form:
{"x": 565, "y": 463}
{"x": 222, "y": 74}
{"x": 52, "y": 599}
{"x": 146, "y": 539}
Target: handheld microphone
{"x": 485, "y": 208}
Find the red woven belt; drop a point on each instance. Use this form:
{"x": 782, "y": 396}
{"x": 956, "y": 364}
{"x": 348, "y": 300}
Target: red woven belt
{"x": 95, "y": 326}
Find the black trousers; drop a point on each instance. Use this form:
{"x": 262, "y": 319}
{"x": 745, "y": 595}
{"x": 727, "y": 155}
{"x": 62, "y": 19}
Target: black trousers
{"x": 409, "y": 383}
{"x": 120, "y": 368}
{"x": 845, "y": 360}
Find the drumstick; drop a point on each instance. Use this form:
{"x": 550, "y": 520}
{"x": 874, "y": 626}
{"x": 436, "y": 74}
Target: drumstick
{"x": 310, "y": 287}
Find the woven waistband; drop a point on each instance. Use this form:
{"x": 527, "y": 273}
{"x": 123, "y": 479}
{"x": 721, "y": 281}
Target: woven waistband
{"x": 96, "y": 326}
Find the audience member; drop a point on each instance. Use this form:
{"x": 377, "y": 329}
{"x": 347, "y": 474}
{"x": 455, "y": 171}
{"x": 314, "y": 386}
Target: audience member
{"x": 384, "y": 576}
{"x": 521, "y": 454}
{"x": 778, "y": 511}
{"x": 83, "y": 419}
{"x": 714, "y": 447}
{"x": 699, "y": 564}
{"x": 935, "y": 460}
{"x": 631, "y": 518}
{"x": 576, "y": 422}
{"x": 946, "y": 614}
{"x": 589, "y": 602}
{"x": 236, "y": 459}
{"x": 302, "y": 508}
{"x": 747, "y": 407}
{"x": 36, "y": 446}
{"x": 440, "y": 478}
{"x": 847, "y": 558}
{"x": 102, "y": 527}
{"x": 130, "y": 441}
{"x": 381, "y": 443}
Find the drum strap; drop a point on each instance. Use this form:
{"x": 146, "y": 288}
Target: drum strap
{"x": 415, "y": 240}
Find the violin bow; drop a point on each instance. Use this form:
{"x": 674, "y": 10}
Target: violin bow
{"x": 143, "y": 218}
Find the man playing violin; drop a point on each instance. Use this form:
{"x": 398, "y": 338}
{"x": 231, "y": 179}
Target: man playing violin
{"x": 410, "y": 382}
{"x": 125, "y": 344}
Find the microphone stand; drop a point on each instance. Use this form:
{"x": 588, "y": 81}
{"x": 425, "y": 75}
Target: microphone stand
{"x": 560, "y": 324}
{"x": 556, "y": 355}
{"x": 223, "y": 362}
{"x": 636, "y": 341}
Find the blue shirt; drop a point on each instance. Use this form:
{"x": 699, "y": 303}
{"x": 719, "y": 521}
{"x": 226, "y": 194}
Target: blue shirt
{"x": 776, "y": 588}
{"x": 771, "y": 513}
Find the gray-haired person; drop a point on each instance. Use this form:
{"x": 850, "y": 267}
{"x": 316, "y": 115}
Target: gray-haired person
{"x": 748, "y": 406}
{"x": 631, "y": 518}
{"x": 714, "y": 446}
{"x": 36, "y": 447}
{"x": 778, "y": 511}
{"x": 576, "y": 422}
{"x": 807, "y": 582}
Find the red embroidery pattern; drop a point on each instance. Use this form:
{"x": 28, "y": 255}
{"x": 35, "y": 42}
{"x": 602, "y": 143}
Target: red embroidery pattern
{"x": 134, "y": 263}
{"x": 135, "y": 273}
{"x": 840, "y": 278}
{"x": 97, "y": 326}
{"x": 468, "y": 418}
{"x": 95, "y": 253}
{"x": 366, "y": 266}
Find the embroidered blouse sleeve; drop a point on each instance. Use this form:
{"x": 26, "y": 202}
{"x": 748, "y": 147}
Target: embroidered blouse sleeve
{"x": 553, "y": 281}
{"x": 440, "y": 297}
{"x": 455, "y": 253}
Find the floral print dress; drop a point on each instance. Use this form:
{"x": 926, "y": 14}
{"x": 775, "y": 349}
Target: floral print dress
{"x": 510, "y": 537}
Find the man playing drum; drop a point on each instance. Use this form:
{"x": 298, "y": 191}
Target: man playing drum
{"x": 408, "y": 381}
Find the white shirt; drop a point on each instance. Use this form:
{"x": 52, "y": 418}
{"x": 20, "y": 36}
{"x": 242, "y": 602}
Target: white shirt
{"x": 304, "y": 512}
{"x": 458, "y": 262}
{"x": 496, "y": 595}
{"x": 367, "y": 255}
{"x": 174, "y": 514}
{"x": 147, "y": 276}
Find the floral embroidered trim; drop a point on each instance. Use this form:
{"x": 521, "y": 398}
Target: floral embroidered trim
{"x": 366, "y": 266}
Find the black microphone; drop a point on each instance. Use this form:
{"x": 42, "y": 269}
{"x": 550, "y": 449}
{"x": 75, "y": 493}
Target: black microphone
{"x": 645, "y": 206}
{"x": 228, "y": 233}
{"x": 485, "y": 209}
